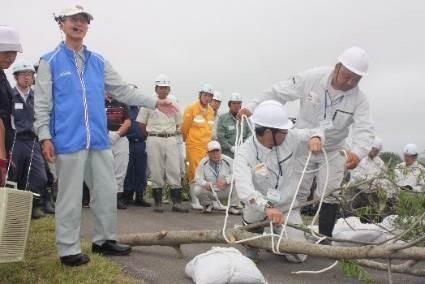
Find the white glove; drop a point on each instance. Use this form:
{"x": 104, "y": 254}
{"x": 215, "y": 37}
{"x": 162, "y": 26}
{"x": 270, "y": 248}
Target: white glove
{"x": 114, "y": 137}
{"x": 232, "y": 149}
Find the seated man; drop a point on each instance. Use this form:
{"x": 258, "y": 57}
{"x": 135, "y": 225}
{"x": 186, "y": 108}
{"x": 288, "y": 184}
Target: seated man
{"x": 264, "y": 172}
{"x": 410, "y": 175}
{"x": 212, "y": 180}
{"x": 369, "y": 169}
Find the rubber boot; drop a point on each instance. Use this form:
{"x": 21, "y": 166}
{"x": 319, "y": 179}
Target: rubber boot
{"x": 140, "y": 201}
{"x": 176, "y": 198}
{"x": 127, "y": 197}
{"x": 157, "y": 196}
{"x": 37, "y": 212}
{"x": 327, "y": 218}
{"x": 120, "y": 202}
{"x": 48, "y": 203}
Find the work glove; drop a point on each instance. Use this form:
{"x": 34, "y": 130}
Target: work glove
{"x": 232, "y": 149}
{"x": 114, "y": 137}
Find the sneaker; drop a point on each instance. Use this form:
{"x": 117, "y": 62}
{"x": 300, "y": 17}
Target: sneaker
{"x": 196, "y": 206}
{"x": 218, "y": 206}
{"x": 234, "y": 211}
{"x": 207, "y": 209}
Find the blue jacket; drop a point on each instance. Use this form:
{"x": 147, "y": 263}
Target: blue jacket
{"x": 78, "y": 119}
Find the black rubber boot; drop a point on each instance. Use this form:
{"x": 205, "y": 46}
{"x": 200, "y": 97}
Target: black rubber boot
{"x": 48, "y": 208}
{"x": 176, "y": 198}
{"x": 157, "y": 196}
{"x": 127, "y": 197}
{"x": 37, "y": 211}
{"x": 327, "y": 218}
{"x": 140, "y": 201}
{"x": 120, "y": 201}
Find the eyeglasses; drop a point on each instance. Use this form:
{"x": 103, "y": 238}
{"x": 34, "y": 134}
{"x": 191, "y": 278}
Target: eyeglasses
{"x": 26, "y": 74}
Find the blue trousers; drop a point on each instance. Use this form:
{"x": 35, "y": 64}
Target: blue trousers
{"x": 21, "y": 158}
{"x": 135, "y": 180}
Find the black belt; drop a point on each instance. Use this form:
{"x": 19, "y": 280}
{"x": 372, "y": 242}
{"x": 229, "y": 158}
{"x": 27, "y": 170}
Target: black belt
{"x": 136, "y": 140}
{"x": 164, "y": 135}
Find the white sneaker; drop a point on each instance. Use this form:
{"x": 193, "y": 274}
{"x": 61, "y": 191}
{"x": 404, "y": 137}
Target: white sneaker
{"x": 234, "y": 211}
{"x": 218, "y": 206}
{"x": 207, "y": 209}
{"x": 196, "y": 206}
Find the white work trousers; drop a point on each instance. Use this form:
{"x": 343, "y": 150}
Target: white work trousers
{"x": 120, "y": 151}
{"x": 163, "y": 161}
{"x": 317, "y": 167}
{"x": 206, "y": 197}
{"x": 96, "y": 169}
{"x": 251, "y": 215}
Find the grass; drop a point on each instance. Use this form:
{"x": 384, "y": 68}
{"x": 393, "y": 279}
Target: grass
{"x": 42, "y": 265}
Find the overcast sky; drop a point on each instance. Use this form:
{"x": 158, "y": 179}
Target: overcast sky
{"x": 246, "y": 45}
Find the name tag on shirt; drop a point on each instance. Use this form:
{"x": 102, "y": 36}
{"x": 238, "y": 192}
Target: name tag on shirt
{"x": 19, "y": 106}
{"x": 231, "y": 127}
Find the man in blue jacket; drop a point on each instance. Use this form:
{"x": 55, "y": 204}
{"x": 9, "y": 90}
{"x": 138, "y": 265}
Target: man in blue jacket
{"x": 71, "y": 125}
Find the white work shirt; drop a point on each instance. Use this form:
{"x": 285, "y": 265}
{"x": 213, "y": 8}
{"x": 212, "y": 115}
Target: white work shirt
{"x": 368, "y": 169}
{"x": 207, "y": 173}
{"x": 414, "y": 175}
{"x": 158, "y": 122}
{"x": 251, "y": 184}
{"x": 319, "y": 102}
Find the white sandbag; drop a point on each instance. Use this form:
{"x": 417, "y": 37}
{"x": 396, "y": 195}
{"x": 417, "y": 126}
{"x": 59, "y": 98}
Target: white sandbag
{"x": 352, "y": 229}
{"x": 223, "y": 265}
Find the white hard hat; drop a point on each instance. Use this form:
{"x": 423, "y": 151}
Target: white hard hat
{"x": 271, "y": 114}
{"x": 74, "y": 10}
{"x": 217, "y": 96}
{"x": 207, "y": 88}
{"x": 235, "y": 97}
{"x": 355, "y": 59}
{"x": 213, "y": 145}
{"x": 377, "y": 143}
{"x": 162, "y": 81}
{"x": 410, "y": 149}
{"x": 22, "y": 66}
{"x": 9, "y": 39}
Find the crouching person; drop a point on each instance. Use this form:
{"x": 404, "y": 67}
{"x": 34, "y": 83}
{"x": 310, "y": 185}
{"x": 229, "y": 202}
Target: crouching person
{"x": 213, "y": 179}
{"x": 263, "y": 171}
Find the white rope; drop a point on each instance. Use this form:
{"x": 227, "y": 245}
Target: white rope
{"x": 316, "y": 271}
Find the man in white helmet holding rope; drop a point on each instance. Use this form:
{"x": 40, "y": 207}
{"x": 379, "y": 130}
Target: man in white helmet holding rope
{"x": 331, "y": 100}
{"x": 262, "y": 171}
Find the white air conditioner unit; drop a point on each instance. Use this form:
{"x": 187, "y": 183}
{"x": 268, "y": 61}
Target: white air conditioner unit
{"x": 15, "y": 218}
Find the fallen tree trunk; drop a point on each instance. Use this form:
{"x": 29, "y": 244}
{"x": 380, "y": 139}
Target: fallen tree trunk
{"x": 177, "y": 238}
